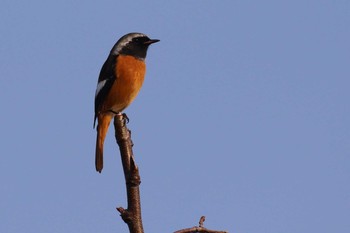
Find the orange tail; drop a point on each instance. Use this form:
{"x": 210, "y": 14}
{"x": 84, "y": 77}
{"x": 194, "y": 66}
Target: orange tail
{"x": 102, "y": 128}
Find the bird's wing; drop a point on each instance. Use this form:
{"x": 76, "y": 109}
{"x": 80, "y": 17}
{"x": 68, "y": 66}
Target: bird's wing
{"x": 105, "y": 82}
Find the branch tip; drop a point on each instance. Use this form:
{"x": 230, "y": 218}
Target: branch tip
{"x": 121, "y": 210}
{"x": 125, "y": 118}
{"x": 201, "y": 221}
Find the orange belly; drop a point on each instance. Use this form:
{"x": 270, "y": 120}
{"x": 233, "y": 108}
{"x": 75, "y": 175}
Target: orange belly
{"x": 130, "y": 73}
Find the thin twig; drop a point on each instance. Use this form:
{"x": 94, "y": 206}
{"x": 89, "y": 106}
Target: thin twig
{"x": 201, "y": 221}
{"x": 200, "y": 228}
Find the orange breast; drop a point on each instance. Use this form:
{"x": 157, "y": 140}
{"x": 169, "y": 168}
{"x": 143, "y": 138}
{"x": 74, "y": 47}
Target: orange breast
{"x": 130, "y": 73}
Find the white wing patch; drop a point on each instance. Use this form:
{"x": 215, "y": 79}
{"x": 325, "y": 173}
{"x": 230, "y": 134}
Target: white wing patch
{"x": 100, "y": 85}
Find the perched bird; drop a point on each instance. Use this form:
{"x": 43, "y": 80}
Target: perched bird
{"x": 120, "y": 80}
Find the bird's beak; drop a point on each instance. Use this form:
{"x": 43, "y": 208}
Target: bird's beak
{"x": 151, "y": 41}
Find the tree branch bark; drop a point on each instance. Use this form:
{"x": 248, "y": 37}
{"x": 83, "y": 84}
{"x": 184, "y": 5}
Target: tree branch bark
{"x": 131, "y": 215}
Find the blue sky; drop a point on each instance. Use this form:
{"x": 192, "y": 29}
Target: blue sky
{"x": 243, "y": 117}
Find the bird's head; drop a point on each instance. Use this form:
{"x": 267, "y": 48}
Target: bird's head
{"x": 133, "y": 44}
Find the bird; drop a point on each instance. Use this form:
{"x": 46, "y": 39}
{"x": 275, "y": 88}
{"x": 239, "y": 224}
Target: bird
{"x": 119, "y": 82}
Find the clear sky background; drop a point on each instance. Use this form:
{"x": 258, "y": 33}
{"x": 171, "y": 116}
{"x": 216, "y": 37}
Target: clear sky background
{"x": 243, "y": 117}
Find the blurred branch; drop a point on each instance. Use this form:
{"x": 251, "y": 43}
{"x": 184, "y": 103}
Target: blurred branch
{"x": 131, "y": 215}
{"x": 200, "y": 228}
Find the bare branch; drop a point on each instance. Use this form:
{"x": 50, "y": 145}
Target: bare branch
{"x": 131, "y": 215}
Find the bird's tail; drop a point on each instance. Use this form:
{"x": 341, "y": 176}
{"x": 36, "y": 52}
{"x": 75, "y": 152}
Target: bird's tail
{"x": 102, "y": 128}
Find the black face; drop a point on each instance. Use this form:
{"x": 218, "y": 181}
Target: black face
{"x": 137, "y": 47}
